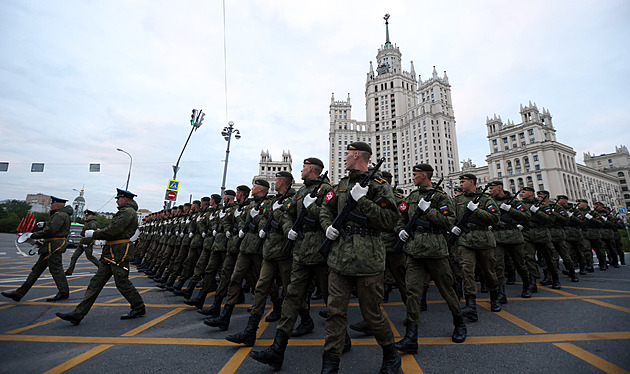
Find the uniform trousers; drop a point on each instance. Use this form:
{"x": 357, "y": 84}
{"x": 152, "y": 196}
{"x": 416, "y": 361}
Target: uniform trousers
{"x": 485, "y": 258}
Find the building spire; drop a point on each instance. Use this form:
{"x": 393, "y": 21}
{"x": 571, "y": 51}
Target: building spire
{"x": 387, "y": 42}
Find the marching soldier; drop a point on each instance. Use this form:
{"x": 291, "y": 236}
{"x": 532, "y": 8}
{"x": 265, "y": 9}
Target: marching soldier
{"x": 573, "y": 234}
{"x": 559, "y": 239}
{"x": 592, "y": 234}
{"x": 358, "y": 260}
{"x": 427, "y": 254}
{"x": 607, "y": 233}
{"x": 86, "y": 245}
{"x": 117, "y": 252}
{"x": 54, "y": 232}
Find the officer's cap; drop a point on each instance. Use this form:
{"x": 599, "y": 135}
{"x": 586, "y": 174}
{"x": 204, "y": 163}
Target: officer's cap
{"x": 187, "y": 204}
{"x": 529, "y": 189}
{"x": 216, "y": 198}
{"x": 206, "y": 199}
{"x": 230, "y": 192}
{"x": 314, "y": 161}
{"x": 57, "y": 200}
{"x": 123, "y": 193}
{"x": 495, "y": 183}
{"x": 422, "y": 167}
{"x": 543, "y": 192}
{"x": 582, "y": 201}
{"x": 262, "y": 182}
{"x": 598, "y": 203}
{"x": 243, "y": 188}
{"x": 468, "y": 176}
{"x": 284, "y": 174}
{"x": 198, "y": 202}
{"x": 563, "y": 197}
{"x": 89, "y": 213}
{"x": 359, "y": 146}
{"x": 181, "y": 207}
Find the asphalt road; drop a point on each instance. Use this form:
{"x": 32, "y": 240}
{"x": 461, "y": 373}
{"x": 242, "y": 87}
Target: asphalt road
{"x": 582, "y": 328}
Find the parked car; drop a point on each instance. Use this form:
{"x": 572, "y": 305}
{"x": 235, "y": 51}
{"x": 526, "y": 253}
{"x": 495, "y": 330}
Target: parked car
{"x": 74, "y": 238}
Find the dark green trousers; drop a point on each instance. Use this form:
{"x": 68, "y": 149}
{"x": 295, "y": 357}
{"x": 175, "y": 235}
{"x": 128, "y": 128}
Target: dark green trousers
{"x": 54, "y": 265}
{"x": 440, "y": 271}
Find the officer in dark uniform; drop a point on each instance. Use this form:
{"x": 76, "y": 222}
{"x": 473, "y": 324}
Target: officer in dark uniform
{"x": 86, "y": 245}
{"x": 117, "y": 252}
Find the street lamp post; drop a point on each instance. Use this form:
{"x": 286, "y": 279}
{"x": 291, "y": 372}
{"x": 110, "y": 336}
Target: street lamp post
{"x": 227, "y": 135}
{"x": 195, "y": 120}
{"x": 130, "y": 162}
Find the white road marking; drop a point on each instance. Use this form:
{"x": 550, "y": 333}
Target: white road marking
{"x": 19, "y": 251}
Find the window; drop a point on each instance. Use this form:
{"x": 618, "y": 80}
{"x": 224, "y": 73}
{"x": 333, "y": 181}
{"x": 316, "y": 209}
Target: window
{"x": 537, "y": 167}
{"x": 539, "y": 177}
{"x": 499, "y": 174}
{"x": 494, "y": 142}
{"x": 505, "y": 140}
{"x": 498, "y": 165}
{"x": 622, "y": 181}
{"x": 530, "y": 132}
{"x": 535, "y": 157}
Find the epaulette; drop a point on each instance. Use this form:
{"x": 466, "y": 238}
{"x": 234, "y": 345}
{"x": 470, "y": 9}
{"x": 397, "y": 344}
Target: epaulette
{"x": 379, "y": 180}
{"x": 399, "y": 195}
{"x": 442, "y": 191}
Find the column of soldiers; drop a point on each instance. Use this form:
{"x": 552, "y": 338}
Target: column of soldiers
{"x": 270, "y": 241}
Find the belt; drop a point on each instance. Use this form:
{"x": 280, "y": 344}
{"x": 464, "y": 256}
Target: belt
{"x": 309, "y": 228}
{"x": 51, "y": 239}
{"x": 119, "y": 241}
{"x": 360, "y": 230}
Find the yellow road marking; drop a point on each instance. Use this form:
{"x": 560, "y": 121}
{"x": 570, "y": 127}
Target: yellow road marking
{"x": 608, "y": 305}
{"x": 594, "y": 289}
{"x": 515, "y": 320}
{"x": 596, "y": 361}
{"x": 559, "y": 292}
{"x": 25, "y": 328}
{"x": 409, "y": 364}
{"x": 152, "y": 323}
{"x": 123, "y": 298}
{"x": 79, "y": 359}
{"x": 237, "y": 359}
{"x": 513, "y": 339}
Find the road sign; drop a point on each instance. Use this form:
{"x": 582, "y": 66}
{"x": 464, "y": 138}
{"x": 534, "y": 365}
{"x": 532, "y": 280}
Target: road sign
{"x": 622, "y": 210}
{"x": 173, "y": 185}
{"x": 171, "y": 195}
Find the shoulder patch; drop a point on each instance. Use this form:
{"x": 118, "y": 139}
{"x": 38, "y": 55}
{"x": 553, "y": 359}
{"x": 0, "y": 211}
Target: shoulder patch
{"x": 383, "y": 202}
{"x": 492, "y": 208}
{"x": 379, "y": 180}
{"x": 403, "y": 207}
{"x": 444, "y": 209}
{"x": 520, "y": 207}
{"x": 329, "y": 195}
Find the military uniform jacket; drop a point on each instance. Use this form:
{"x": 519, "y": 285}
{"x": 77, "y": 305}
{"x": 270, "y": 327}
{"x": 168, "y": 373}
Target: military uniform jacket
{"x": 591, "y": 226}
{"x": 90, "y": 224}
{"x": 273, "y": 244}
{"x": 475, "y": 234}
{"x": 305, "y": 251}
{"x": 572, "y": 229}
{"x": 239, "y": 210}
{"x": 58, "y": 226}
{"x": 189, "y": 226}
{"x": 506, "y": 231}
{"x": 123, "y": 226}
{"x": 391, "y": 238}
{"x": 561, "y": 220}
{"x": 607, "y": 225}
{"x": 537, "y": 231}
{"x": 429, "y": 240}
{"x": 360, "y": 254}
{"x": 223, "y": 222}
{"x": 248, "y": 245}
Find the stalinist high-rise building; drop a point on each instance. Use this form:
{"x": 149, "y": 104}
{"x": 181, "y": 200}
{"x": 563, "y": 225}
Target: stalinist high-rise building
{"x": 408, "y": 121}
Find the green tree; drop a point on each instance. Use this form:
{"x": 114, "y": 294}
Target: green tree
{"x": 102, "y": 221}
{"x": 11, "y": 212}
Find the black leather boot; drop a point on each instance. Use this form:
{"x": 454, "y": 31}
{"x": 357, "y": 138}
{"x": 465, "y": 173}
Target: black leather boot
{"x": 306, "y": 325}
{"x": 274, "y": 355}
{"x": 162, "y": 280}
{"x": 573, "y": 276}
{"x": 361, "y": 327}
{"x": 546, "y": 281}
{"x": 409, "y": 343}
{"x": 502, "y": 297}
{"x": 188, "y": 291}
{"x": 247, "y": 336}
{"x": 495, "y": 305}
{"x": 198, "y": 300}
{"x": 526, "y": 292}
{"x": 330, "y": 363}
{"x": 470, "y": 310}
{"x": 582, "y": 269}
{"x": 154, "y": 274}
{"x": 214, "y": 310}
{"x": 423, "y": 300}
{"x": 222, "y": 321}
{"x": 276, "y": 313}
{"x": 510, "y": 277}
{"x": 391, "y": 360}
{"x": 459, "y": 333}
{"x": 532, "y": 284}
{"x": 589, "y": 266}
{"x": 181, "y": 290}
{"x": 171, "y": 287}
{"x": 555, "y": 282}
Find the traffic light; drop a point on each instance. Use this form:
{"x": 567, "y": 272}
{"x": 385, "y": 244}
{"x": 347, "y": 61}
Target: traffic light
{"x": 193, "y": 117}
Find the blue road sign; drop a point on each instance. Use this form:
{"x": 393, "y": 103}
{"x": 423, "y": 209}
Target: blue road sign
{"x": 173, "y": 185}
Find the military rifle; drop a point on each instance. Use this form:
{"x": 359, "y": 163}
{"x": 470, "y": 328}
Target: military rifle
{"x": 270, "y": 220}
{"x": 297, "y": 225}
{"x": 248, "y": 222}
{"x": 461, "y": 223}
{"x": 412, "y": 225}
{"x": 504, "y": 216}
{"x": 341, "y": 218}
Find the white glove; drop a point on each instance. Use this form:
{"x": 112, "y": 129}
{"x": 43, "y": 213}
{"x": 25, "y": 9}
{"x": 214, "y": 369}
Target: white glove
{"x": 135, "y": 236}
{"x": 228, "y": 234}
{"x": 520, "y": 227}
{"x": 292, "y": 235}
{"x": 308, "y": 200}
{"x": 533, "y": 208}
{"x": 187, "y": 220}
{"x": 506, "y": 207}
{"x": 203, "y": 234}
{"x": 423, "y": 205}
{"x": 176, "y": 233}
{"x": 605, "y": 219}
{"x": 89, "y": 233}
{"x": 262, "y": 234}
{"x": 490, "y": 228}
{"x": 570, "y": 214}
{"x": 199, "y": 218}
{"x": 472, "y": 206}
{"x": 214, "y": 232}
{"x": 221, "y": 214}
{"x": 332, "y": 233}
{"x": 25, "y": 236}
{"x": 588, "y": 216}
{"x": 403, "y": 234}
{"x": 253, "y": 213}
{"x": 190, "y": 235}
{"x": 358, "y": 192}
{"x": 241, "y": 234}
{"x": 181, "y": 235}
{"x": 276, "y": 205}
{"x": 456, "y": 230}
{"x": 41, "y": 224}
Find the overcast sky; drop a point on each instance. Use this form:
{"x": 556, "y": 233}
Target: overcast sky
{"x": 79, "y": 79}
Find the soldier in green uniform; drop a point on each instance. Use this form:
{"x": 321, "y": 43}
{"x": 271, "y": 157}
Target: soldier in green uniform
{"x": 573, "y": 233}
{"x": 559, "y": 239}
{"x": 308, "y": 263}
{"x": 276, "y": 262}
{"x": 510, "y": 242}
{"x": 195, "y": 242}
{"x": 86, "y": 245}
{"x": 619, "y": 247}
{"x": 607, "y": 233}
{"x": 427, "y": 254}
{"x": 358, "y": 260}
{"x": 182, "y": 244}
{"x": 249, "y": 261}
{"x": 476, "y": 243}
{"x": 54, "y": 232}
{"x": 592, "y": 235}
{"x": 117, "y": 252}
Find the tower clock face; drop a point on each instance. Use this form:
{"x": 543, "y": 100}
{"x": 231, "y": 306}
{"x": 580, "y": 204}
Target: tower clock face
{"x": 383, "y": 68}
